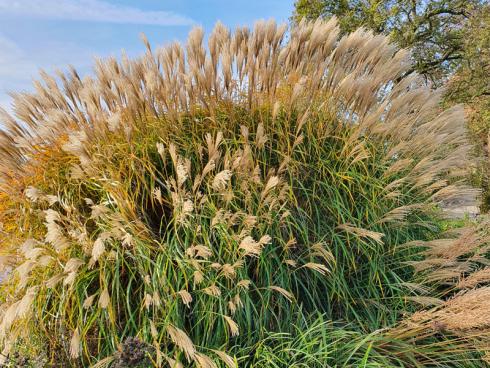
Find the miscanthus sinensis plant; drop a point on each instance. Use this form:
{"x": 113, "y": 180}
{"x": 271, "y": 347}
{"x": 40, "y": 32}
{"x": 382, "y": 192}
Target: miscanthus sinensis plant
{"x": 265, "y": 200}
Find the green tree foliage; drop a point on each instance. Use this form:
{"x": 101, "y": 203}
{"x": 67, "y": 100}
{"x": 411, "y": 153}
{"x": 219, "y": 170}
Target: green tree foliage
{"x": 432, "y": 29}
{"x": 471, "y": 85}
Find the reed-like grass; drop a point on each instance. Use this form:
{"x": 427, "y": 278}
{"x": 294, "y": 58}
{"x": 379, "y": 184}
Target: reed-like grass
{"x": 261, "y": 202}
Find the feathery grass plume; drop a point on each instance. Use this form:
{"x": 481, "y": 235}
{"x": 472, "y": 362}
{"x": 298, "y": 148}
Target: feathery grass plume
{"x": 225, "y": 358}
{"x": 250, "y": 246}
{"x": 464, "y": 312}
{"x": 104, "y": 299}
{"x": 457, "y": 258}
{"x": 186, "y": 297}
{"x": 198, "y": 181}
{"x": 173, "y": 363}
{"x": 283, "y": 292}
{"x": 221, "y": 179}
{"x": 322, "y": 269}
{"x": 232, "y": 326}
{"x": 75, "y": 344}
{"x": 26, "y": 302}
{"x": 89, "y": 301}
{"x": 212, "y": 290}
{"x": 474, "y": 279}
{"x": 203, "y": 361}
{"x": 183, "y": 341}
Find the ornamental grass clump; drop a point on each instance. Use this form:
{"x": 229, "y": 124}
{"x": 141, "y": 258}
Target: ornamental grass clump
{"x": 262, "y": 201}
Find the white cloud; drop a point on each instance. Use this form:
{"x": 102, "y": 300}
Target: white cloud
{"x": 91, "y": 11}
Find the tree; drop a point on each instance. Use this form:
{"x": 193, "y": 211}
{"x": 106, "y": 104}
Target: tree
{"x": 471, "y": 81}
{"x": 432, "y": 29}
{"x": 470, "y": 85}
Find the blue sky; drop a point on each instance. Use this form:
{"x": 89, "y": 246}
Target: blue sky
{"x": 51, "y": 34}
